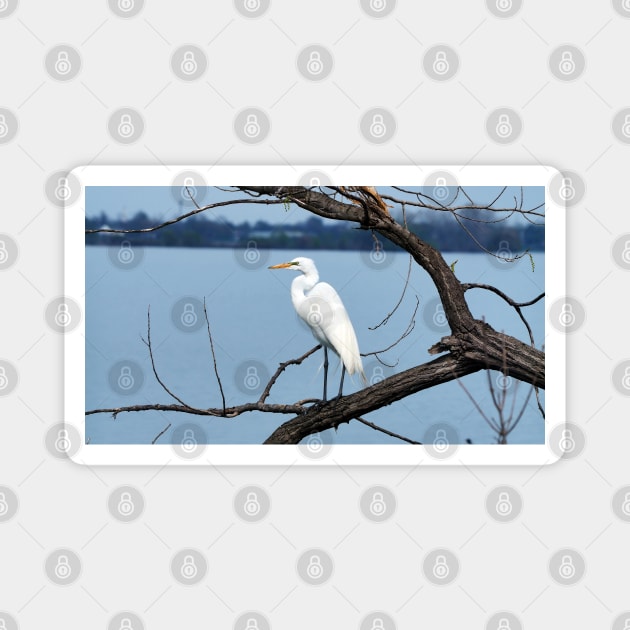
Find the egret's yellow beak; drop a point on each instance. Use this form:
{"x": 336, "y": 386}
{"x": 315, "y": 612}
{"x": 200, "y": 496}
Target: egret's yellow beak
{"x": 285, "y": 265}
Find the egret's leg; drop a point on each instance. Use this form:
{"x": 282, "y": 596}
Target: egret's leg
{"x": 343, "y": 373}
{"x": 325, "y": 370}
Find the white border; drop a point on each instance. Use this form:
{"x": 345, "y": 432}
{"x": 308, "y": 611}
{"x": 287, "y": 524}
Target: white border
{"x": 74, "y": 275}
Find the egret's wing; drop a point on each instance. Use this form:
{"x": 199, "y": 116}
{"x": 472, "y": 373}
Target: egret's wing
{"x": 335, "y": 328}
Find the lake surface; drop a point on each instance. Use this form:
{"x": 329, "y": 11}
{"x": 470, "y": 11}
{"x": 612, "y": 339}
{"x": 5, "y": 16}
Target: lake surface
{"x": 255, "y": 328}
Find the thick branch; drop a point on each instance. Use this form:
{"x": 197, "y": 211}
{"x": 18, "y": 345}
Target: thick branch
{"x": 331, "y": 414}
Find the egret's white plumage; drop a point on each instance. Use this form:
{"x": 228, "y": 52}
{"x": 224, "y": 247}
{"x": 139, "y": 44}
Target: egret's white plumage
{"x": 321, "y": 308}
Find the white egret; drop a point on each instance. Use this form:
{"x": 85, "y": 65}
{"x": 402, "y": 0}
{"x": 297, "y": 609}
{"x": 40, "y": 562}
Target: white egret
{"x": 320, "y": 306}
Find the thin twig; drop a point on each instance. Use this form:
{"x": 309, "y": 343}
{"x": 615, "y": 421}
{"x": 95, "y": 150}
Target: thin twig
{"x": 402, "y": 295}
{"x": 214, "y": 356}
{"x": 410, "y": 327}
{"x": 161, "y": 433}
{"x": 157, "y": 376}
{"x": 386, "y": 431}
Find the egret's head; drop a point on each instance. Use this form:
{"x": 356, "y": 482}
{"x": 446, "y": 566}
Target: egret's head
{"x": 298, "y": 264}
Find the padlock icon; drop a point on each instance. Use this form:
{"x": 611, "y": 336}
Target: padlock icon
{"x": 189, "y": 63}
{"x": 62, "y": 190}
{"x": 252, "y": 504}
{"x": 626, "y": 623}
{"x": 440, "y": 63}
{"x": 315, "y": 315}
{"x": 314, "y": 65}
{"x": 567, "y": 442}
{"x": 126, "y": 128}
{"x": 63, "y": 570}
{"x": 625, "y": 254}
{"x": 378, "y": 507}
{"x": 625, "y": 128}
{"x": 567, "y": 190}
{"x": 189, "y": 191}
{"x": 251, "y": 624}
{"x": 252, "y": 255}
{"x": 504, "y": 624}
{"x": 625, "y": 506}
{"x": 62, "y": 64}
{"x": 567, "y": 316}
{"x": 440, "y": 442}
{"x": 252, "y": 380}
{"x": 252, "y": 126}
{"x": 62, "y": 316}
{"x": 314, "y": 443}
{"x": 504, "y": 126}
{"x": 439, "y": 317}
{"x": 126, "y": 505}
{"x": 503, "y": 381}
{"x": 626, "y": 7}
{"x": 315, "y": 181}
{"x": 125, "y": 624}
{"x": 4, "y": 254}
{"x": 504, "y": 504}
{"x": 377, "y": 375}
{"x": 63, "y": 443}
{"x": 567, "y": 63}
{"x": 377, "y": 624}
{"x": 504, "y": 253}
{"x": 125, "y": 5}
{"x": 440, "y": 190}
{"x": 4, "y": 128}
{"x": 125, "y": 253}
{"x": 625, "y": 380}
{"x": 189, "y": 442}
{"x": 566, "y": 568}
{"x": 315, "y": 570}
{"x": 4, "y": 506}
{"x": 504, "y": 5}
{"x": 252, "y": 5}
{"x": 4, "y": 381}
{"x": 377, "y": 127}
{"x": 189, "y": 569}
{"x": 378, "y": 5}
{"x": 377, "y": 255}
{"x": 441, "y": 568}
{"x": 125, "y": 379}
{"x": 188, "y": 317}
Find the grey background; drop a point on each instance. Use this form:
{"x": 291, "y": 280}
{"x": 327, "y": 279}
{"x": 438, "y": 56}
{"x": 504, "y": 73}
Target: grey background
{"x": 378, "y": 62}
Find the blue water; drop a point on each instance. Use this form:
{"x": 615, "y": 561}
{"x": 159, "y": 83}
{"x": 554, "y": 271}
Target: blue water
{"x": 254, "y": 328}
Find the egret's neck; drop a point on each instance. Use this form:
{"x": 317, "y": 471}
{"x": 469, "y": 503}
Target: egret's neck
{"x": 301, "y": 285}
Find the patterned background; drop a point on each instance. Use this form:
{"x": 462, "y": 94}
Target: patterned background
{"x": 375, "y": 81}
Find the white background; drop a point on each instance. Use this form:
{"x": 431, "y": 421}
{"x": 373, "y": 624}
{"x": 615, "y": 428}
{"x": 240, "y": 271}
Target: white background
{"x": 378, "y": 62}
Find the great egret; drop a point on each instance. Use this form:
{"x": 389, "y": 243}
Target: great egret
{"x": 320, "y": 306}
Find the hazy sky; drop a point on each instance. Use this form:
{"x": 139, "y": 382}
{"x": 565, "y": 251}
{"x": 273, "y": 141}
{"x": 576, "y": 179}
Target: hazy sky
{"x": 164, "y": 202}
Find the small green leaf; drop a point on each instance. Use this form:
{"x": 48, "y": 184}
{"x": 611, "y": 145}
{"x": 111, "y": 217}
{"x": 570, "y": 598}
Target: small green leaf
{"x": 453, "y": 265}
{"x": 531, "y": 260}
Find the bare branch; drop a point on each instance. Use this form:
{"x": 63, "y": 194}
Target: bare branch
{"x": 281, "y": 368}
{"x": 218, "y": 204}
{"x": 516, "y": 305}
